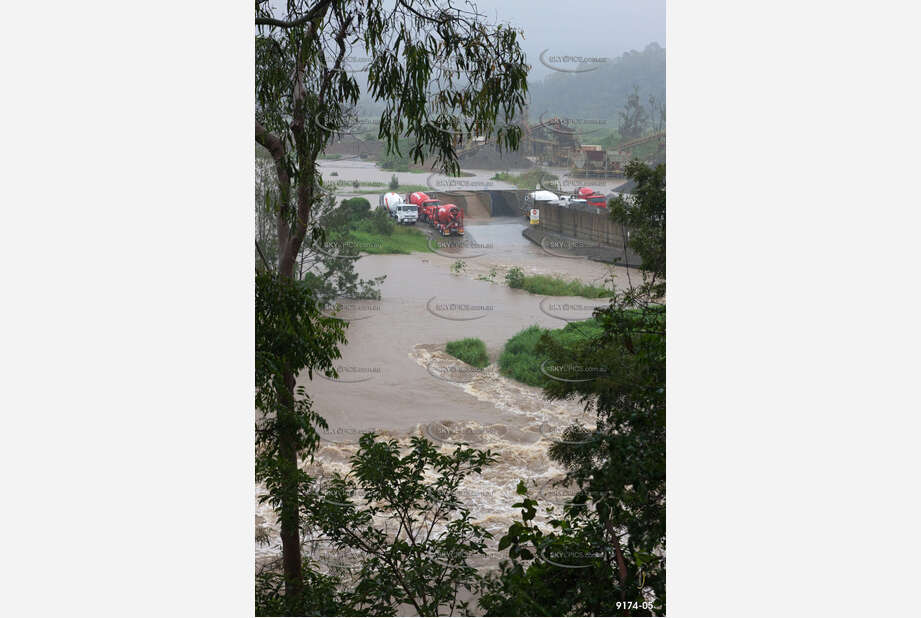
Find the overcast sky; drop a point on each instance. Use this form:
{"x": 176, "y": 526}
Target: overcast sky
{"x": 588, "y": 28}
{"x": 602, "y": 28}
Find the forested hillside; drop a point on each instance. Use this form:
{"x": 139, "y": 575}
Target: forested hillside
{"x": 602, "y": 93}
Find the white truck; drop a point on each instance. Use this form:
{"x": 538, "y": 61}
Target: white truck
{"x": 398, "y": 208}
{"x": 568, "y": 201}
{"x": 406, "y": 213}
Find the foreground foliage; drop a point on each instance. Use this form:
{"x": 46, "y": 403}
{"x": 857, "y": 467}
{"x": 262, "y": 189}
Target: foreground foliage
{"x": 392, "y": 533}
{"x": 411, "y": 538}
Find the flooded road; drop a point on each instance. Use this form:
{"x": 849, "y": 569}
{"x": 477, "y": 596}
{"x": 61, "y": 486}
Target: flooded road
{"x": 396, "y": 380}
{"x": 348, "y": 170}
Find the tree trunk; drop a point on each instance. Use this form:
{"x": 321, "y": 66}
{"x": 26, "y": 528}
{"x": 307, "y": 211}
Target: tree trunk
{"x": 290, "y": 240}
{"x": 290, "y": 526}
{"x": 288, "y": 247}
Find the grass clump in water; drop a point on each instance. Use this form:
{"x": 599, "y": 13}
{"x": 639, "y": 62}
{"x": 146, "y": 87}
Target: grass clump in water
{"x": 520, "y": 360}
{"x": 470, "y": 350}
{"x": 548, "y": 285}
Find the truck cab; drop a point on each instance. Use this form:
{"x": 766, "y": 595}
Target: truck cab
{"x": 592, "y": 197}
{"x": 427, "y": 206}
{"x": 406, "y": 213}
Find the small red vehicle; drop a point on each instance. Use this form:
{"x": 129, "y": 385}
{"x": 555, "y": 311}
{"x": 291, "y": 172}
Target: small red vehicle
{"x": 592, "y": 197}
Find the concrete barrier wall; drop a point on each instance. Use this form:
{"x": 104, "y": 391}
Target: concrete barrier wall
{"x": 594, "y": 226}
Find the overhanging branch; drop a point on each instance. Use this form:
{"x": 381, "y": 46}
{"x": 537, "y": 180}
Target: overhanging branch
{"x": 318, "y": 8}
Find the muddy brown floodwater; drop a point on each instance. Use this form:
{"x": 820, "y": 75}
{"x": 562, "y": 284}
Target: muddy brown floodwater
{"x": 396, "y": 380}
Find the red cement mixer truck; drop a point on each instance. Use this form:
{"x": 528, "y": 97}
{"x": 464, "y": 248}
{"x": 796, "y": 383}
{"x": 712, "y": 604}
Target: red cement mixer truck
{"x": 592, "y": 197}
{"x": 426, "y": 205}
{"x": 449, "y": 220}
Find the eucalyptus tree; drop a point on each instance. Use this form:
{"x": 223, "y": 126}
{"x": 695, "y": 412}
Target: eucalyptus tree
{"x": 291, "y": 334}
{"x": 440, "y": 74}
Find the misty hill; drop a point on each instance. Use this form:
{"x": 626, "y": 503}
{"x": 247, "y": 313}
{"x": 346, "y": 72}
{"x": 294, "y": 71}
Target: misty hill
{"x": 600, "y": 93}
